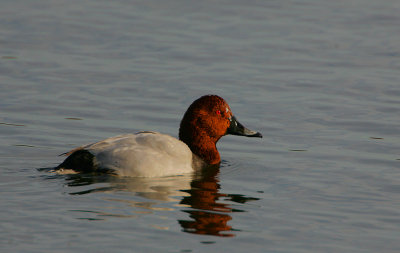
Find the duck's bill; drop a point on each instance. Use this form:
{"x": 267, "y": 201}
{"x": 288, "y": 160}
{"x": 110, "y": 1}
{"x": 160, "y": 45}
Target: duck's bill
{"x": 236, "y": 128}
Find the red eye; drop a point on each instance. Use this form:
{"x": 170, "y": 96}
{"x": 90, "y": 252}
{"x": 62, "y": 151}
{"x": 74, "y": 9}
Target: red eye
{"x": 218, "y": 112}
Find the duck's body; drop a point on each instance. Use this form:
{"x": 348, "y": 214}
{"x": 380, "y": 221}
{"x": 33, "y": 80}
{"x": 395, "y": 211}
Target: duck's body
{"x": 152, "y": 154}
{"x": 145, "y": 154}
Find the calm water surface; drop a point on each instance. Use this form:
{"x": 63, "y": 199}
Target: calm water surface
{"x": 320, "y": 80}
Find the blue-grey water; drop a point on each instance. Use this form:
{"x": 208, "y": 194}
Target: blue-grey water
{"x": 319, "y": 79}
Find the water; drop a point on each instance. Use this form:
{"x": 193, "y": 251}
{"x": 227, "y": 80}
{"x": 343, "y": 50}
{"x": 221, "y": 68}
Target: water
{"x": 319, "y": 79}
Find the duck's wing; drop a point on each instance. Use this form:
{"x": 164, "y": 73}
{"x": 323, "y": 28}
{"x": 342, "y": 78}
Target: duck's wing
{"x": 145, "y": 154}
{"x": 102, "y": 143}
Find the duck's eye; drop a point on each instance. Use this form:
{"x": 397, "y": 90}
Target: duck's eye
{"x": 218, "y": 112}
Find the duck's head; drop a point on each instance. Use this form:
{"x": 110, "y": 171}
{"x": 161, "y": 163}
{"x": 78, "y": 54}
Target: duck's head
{"x": 206, "y": 120}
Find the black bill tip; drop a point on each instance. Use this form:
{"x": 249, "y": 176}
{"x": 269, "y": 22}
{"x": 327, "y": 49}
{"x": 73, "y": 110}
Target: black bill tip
{"x": 235, "y": 128}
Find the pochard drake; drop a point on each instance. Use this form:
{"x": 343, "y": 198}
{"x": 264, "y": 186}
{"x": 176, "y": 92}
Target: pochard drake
{"x": 152, "y": 154}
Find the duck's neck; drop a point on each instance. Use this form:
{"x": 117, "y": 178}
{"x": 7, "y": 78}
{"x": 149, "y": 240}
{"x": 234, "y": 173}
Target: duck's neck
{"x": 204, "y": 147}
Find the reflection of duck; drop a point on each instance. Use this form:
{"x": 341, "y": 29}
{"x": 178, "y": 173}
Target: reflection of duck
{"x": 150, "y": 154}
{"x": 210, "y": 216}
{"x": 145, "y": 195}
{"x": 155, "y": 189}
{"x": 209, "y": 209}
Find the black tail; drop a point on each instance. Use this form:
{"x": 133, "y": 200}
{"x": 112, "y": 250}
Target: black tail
{"x": 80, "y": 161}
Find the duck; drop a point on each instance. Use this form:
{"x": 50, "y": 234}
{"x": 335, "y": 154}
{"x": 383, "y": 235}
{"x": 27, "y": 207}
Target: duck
{"x": 154, "y": 154}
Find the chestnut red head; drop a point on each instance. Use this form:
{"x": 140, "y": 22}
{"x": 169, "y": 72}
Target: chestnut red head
{"x": 206, "y": 120}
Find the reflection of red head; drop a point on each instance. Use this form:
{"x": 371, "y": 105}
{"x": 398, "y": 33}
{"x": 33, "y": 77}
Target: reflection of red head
{"x": 207, "y": 223}
{"x": 212, "y": 218}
